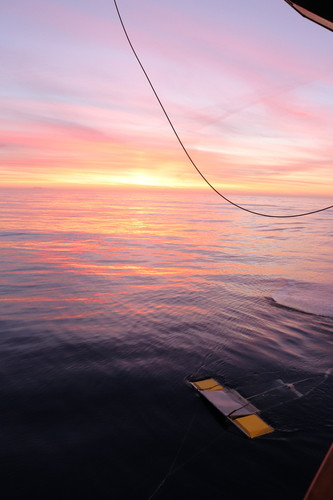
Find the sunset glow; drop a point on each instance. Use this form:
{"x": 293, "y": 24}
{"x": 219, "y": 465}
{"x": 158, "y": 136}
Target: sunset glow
{"x": 248, "y": 88}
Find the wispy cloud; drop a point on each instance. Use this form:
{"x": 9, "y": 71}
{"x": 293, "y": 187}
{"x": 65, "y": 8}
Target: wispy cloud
{"x": 248, "y": 94}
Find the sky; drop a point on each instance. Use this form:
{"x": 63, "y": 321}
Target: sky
{"x": 247, "y": 85}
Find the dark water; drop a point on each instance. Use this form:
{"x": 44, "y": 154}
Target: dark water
{"x": 110, "y": 300}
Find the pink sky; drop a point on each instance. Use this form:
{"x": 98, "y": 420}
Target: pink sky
{"x": 248, "y": 86}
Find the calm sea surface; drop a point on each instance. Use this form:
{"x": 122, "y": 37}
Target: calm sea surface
{"x": 111, "y": 300}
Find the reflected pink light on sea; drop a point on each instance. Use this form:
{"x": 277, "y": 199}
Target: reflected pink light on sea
{"x": 175, "y": 235}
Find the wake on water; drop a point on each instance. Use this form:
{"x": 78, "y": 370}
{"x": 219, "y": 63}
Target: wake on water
{"x": 312, "y": 298}
{"x": 282, "y": 392}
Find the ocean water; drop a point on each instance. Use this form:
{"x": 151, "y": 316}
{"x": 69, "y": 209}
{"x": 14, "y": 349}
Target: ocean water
{"x": 111, "y": 300}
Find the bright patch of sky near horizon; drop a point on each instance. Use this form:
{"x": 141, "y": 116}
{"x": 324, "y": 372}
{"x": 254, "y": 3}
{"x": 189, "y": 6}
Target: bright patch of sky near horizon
{"x": 248, "y": 86}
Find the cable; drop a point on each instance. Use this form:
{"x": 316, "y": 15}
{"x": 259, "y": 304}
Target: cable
{"x": 187, "y": 153}
{"x": 289, "y": 385}
{"x": 172, "y": 466}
